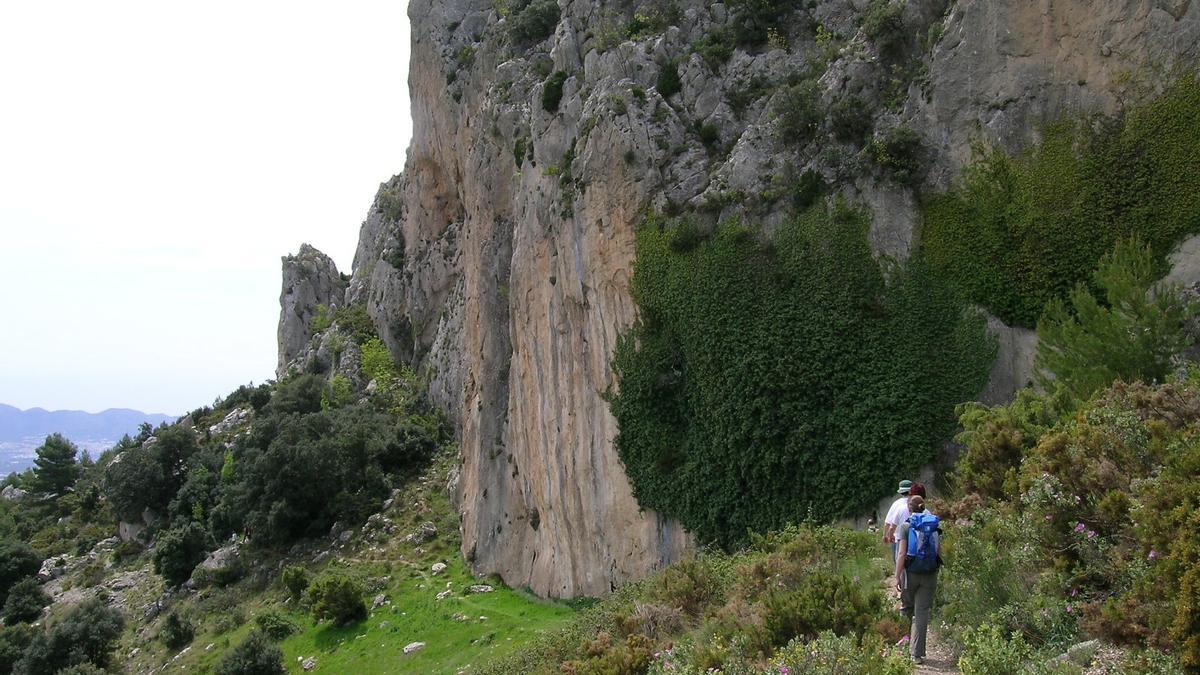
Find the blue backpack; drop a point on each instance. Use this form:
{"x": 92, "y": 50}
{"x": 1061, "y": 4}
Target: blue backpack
{"x": 924, "y": 543}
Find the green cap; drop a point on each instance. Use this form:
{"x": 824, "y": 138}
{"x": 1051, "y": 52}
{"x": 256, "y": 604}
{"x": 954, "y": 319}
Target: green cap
{"x": 905, "y": 486}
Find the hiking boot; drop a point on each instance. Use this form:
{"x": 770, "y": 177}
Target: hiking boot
{"x": 919, "y": 660}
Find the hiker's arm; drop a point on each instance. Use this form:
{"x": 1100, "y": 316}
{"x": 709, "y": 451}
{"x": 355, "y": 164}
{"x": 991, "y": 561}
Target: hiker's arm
{"x": 901, "y": 551}
{"x": 888, "y": 529}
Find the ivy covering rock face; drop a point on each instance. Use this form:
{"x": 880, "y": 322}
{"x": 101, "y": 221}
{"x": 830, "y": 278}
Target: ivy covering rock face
{"x": 1023, "y": 231}
{"x": 772, "y": 381}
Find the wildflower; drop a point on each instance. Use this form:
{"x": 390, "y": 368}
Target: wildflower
{"x": 1069, "y": 608}
{"x": 1074, "y": 592}
{"x": 903, "y": 641}
{"x": 784, "y": 670}
{"x": 1091, "y": 534}
{"x": 1080, "y": 527}
{"x": 1152, "y": 555}
{"x": 1050, "y": 516}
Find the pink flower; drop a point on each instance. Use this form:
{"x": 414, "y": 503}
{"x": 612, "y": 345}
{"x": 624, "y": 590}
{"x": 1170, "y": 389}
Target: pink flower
{"x": 1091, "y": 534}
{"x": 1152, "y": 555}
{"x": 784, "y": 670}
{"x": 1080, "y": 527}
{"x": 1049, "y": 516}
{"x": 1069, "y": 610}
{"x": 903, "y": 641}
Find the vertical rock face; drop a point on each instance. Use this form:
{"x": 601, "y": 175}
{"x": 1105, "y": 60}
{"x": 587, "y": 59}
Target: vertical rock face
{"x": 499, "y": 261}
{"x": 310, "y": 281}
{"x": 1004, "y": 69}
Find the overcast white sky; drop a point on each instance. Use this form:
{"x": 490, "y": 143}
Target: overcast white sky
{"x": 156, "y": 160}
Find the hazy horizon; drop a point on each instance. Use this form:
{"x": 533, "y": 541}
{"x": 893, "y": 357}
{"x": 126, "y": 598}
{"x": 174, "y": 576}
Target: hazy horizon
{"x": 158, "y": 161}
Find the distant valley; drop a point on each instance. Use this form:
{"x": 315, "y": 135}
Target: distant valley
{"x": 22, "y": 431}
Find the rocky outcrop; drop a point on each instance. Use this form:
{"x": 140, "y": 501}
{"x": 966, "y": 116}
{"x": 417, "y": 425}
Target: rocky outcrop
{"x": 310, "y": 282}
{"x": 499, "y": 261}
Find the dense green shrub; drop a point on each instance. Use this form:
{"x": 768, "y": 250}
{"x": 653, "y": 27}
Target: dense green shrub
{"x": 256, "y": 655}
{"x": 88, "y": 633}
{"x": 338, "y": 598}
{"x": 298, "y": 474}
{"x": 850, "y": 119}
{"x": 900, "y": 153}
{"x": 766, "y": 381}
{"x": 653, "y": 17}
{"x": 989, "y": 652}
{"x": 806, "y": 189}
{"x": 552, "y": 91}
{"x": 17, "y": 561}
{"x": 532, "y": 22}
{"x": 14, "y": 640}
{"x": 798, "y": 113}
{"x": 754, "y": 20}
{"x": 1099, "y": 522}
{"x": 709, "y": 134}
{"x": 355, "y": 320}
{"x": 1022, "y": 231}
{"x": 715, "y": 47}
{"x": 825, "y": 601}
{"x": 299, "y": 394}
{"x": 668, "y": 82}
{"x": 247, "y": 394}
{"x": 178, "y": 551}
{"x": 997, "y": 438}
{"x": 25, "y": 601}
{"x": 176, "y": 632}
{"x": 1132, "y": 333}
{"x": 295, "y": 580}
{"x": 883, "y": 23}
{"x": 831, "y": 654}
{"x": 275, "y": 625}
{"x": 149, "y": 475}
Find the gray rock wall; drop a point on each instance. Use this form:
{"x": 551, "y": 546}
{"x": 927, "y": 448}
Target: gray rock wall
{"x": 310, "y": 280}
{"x": 505, "y": 277}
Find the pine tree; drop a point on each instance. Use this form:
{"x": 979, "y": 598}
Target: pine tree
{"x": 55, "y": 468}
{"x": 1131, "y": 334}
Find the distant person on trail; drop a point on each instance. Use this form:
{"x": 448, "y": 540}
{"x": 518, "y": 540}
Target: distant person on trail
{"x": 896, "y": 514}
{"x": 918, "y": 559}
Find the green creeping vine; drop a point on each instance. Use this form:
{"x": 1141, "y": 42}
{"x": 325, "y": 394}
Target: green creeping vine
{"x": 769, "y": 382}
{"x": 1022, "y": 231}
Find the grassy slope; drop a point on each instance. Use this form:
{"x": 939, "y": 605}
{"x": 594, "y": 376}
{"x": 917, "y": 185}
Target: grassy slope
{"x": 389, "y": 566}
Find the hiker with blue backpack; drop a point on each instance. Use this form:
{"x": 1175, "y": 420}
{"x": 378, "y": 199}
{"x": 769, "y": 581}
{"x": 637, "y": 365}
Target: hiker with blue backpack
{"x": 918, "y": 558}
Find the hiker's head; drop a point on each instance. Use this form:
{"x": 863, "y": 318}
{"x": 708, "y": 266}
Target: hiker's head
{"x": 905, "y": 486}
{"x": 916, "y": 504}
{"x": 917, "y": 489}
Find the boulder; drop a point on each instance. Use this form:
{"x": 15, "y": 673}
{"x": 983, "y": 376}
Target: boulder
{"x": 12, "y": 493}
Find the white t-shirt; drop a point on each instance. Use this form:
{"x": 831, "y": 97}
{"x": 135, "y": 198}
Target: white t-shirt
{"x": 898, "y": 513}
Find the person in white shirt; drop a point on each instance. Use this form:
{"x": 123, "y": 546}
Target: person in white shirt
{"x": 896, "y": 514}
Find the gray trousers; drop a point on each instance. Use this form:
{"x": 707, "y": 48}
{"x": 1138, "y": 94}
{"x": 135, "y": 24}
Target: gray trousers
{"x": 916, "y": 600}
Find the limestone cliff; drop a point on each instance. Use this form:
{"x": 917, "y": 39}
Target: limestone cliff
{"x": 311, "y": 284}
{"x": 499, "y": 261}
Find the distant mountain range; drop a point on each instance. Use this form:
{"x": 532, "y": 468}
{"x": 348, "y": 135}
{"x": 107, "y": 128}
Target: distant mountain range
{"x": 22, "y": 431}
